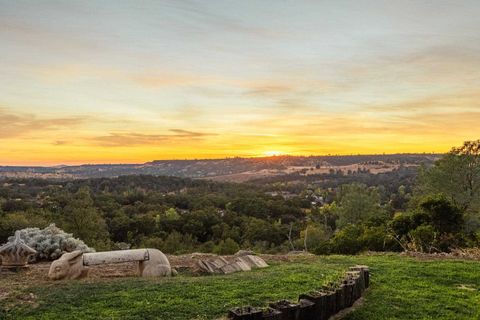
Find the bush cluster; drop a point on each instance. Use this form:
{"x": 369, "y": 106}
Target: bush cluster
{"x": 51, "y": 242}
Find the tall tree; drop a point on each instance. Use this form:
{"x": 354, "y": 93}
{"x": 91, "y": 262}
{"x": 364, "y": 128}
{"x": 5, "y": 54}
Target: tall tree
{"x": 85, "y": 222}
{"x": 358, "y": 203}
{"x": 457, "y": 176}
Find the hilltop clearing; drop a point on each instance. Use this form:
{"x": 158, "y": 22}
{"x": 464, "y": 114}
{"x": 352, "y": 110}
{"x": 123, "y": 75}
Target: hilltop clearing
{"x": 401, "y": 288}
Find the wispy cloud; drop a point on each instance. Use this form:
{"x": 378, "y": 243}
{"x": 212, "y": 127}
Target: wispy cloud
{"x": 60, "y": 142}
{"x": 138, "y": 139}
{"x": 453, "y": 101}
{"x": 19, "y": 124}
{"x": 197, "y": 15}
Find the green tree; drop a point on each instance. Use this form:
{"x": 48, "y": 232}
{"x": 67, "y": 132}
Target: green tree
{"x": 11, "y": 222}
{"x": 326, "y": 215}
{"x": 435, "y": 225}
{"x": 179, "y": 243}
{"x": 445, "y": 217}
{"x": 315, "y": 235}
{"x": 81, "y": 218}
{"x": 358, "y": 203}
{"x": 119, "y": 225}
{"x": 457, "y": 176}
{"x": 347, "y": 240}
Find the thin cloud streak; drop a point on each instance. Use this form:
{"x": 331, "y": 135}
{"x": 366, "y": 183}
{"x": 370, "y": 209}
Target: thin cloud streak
{"x": 140, "y": 139}
{"x": 14, "y": 125}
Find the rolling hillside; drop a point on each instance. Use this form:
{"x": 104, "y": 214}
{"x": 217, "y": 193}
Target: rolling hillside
{"x": 229, "y": 169}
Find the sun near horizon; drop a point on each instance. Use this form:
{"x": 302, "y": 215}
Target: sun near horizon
{"x": 109, "y": 82}
{"x": 272, "y": 153}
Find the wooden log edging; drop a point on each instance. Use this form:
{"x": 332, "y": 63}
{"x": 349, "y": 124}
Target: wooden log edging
{"x": 318, "y": 304}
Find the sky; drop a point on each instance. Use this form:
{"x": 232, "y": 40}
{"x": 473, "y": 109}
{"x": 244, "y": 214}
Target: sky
{"x": 134, "y": 81}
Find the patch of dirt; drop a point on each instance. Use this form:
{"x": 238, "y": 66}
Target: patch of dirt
{"x": 13, "y": 283}
{"x": 26, "y": 277}
{"x": 462, "y": 254}
{"x": 290, "y": 257}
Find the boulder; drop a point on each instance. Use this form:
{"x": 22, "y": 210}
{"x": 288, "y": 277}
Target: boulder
{"x": 255, "y": 261}
{"x": 227, "y": 265}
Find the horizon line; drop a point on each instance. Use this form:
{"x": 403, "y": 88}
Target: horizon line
{"x": 213, "y": 159}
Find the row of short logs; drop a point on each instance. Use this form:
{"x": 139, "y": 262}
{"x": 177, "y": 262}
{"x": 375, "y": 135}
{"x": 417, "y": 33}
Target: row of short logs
{"x": 315, "y": 305}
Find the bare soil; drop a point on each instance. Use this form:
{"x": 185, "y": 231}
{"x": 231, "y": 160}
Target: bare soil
{"x": 464, "y": 254}
{"x": 11, "y": 283}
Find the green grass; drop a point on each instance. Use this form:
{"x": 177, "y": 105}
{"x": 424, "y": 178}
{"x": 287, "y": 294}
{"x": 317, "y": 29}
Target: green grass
{"x": 402, "y": 288}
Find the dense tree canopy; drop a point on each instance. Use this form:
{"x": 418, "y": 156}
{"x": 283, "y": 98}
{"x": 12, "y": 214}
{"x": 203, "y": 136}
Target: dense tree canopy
{"x": 457, "y": 176}
{"x": 335, "y": 212}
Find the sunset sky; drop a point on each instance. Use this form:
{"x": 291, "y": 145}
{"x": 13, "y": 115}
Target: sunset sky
{"x": 134, "y": 81}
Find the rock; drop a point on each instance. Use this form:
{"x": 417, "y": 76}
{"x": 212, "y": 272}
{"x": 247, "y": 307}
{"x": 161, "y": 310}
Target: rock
{"x": 230, "y": 268}
{"x": 244, "y": 253}
{"x": 231, "y": 264}
{"x": 219, "y": 262}
{"x": 207, "y": 266}
{"x": 16, "y": 253}
{"x": 255, "y": 261}
{"x": 244, "y": 266}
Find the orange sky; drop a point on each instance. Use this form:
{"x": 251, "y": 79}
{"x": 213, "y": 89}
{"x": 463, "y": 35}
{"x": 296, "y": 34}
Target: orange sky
{"x": 103, "y": 82}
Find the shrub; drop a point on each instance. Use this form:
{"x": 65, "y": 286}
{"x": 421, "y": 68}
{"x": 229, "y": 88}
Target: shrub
{"x": 208, "y": 247}
{"x": 324, "y": 248}
{"x": 445, "y": 217}
{"x": 316, "y": 235}
{"x": 229, "y": 246}
{"x": 374, "y": 238}
{"x": 347, "y": 240}
{"x": 401, "y": 224}
{"x": 422, "y": 238}
{"x": 153, "y": 242}
{"x": 177, "y": 243}
{"x": 51, "y": 242}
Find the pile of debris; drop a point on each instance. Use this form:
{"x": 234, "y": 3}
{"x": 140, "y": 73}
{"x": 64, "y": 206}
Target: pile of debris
{"x": 242, "y": 261}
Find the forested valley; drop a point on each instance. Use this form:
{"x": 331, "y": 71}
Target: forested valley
{"x": 430, "y": 208}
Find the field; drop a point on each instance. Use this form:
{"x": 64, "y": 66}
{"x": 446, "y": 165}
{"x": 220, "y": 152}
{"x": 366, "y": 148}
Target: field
{"x": 402, "y": 288}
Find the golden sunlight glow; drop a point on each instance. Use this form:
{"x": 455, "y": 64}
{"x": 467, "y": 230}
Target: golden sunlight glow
{"x": 272, "y": 153}
{"x": 248, "y": 84}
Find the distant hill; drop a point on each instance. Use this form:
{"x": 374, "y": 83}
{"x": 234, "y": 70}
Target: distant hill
{"x": 228, "y": 169}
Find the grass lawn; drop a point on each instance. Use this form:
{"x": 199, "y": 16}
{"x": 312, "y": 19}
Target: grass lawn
{"x": 401, "y": 288}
